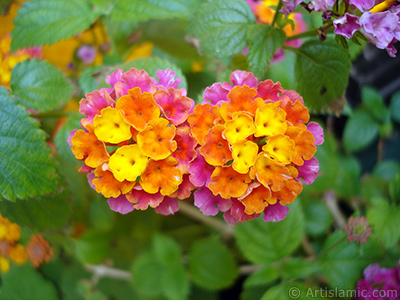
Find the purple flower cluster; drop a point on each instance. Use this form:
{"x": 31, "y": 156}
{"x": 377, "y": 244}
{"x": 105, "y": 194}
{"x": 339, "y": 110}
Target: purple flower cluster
{"x": 379, "y": 283}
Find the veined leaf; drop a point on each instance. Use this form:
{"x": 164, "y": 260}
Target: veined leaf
{"x": 321, "y": 72}
{"x": 264, "y": 40}
{"x": 222, "y": 26}
{"x": 39, "y": 85}
{"x": 44, "y": 22}
{"x": 264, "y": 243}
{"x": 143, "y": 10}
{"x": 26, "y": 168}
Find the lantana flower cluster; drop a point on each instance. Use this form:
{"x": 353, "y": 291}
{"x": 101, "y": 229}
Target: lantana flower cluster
{"x": 245, "y": 150}
{"x": 135, "y": 142}
{"x": 377, "y": 20}
{"x": 254, "y": 149}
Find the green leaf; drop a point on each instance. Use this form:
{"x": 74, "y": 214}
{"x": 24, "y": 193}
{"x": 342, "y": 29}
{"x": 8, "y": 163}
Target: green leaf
{"x": 44, "y": 22}
{"x": 266, "y": 242}
{"x": 166, "y": 249}
{"x": 39, "y": 85}
{"x": 222, "y": 26}
{"x": 343, "y": 262}
{"x": 101, "y": 216}
{"x": 317, "y": 216}
{"x": 297, "y": 268}
{"x": 143, "y": 10}
{"x": 394, "y": 188}
{"x": 373, "y": 187}
{"x": 26, "y": 168}
{"x": 25, "y": 283}
{"x": 93, "y": 246}
{"x": 264, "y": 40}
{"x": 119, "y": 32}
{"x": 87, "y": 82}
{"x": 290, "y": 291}
{"x": 63, "y": 148}
{"x": 147, "y": 275}
{"x": 265, "y": 275}
{"x": 41, "y": 213}
{"x": 395, "y": 107}
{"x": 348, "y": 180}
{"x": 385, "y": 222}
{"x": 387, "y": 169}
{"x": 360, "y": 131}
{"x": 175, "y": 282}
{"x": 321, "y": 72}
{"x": 212, "y": 265}
{"x": 373, "y": 102}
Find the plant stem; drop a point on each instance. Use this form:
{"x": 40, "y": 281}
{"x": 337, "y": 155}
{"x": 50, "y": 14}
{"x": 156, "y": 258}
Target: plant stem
{"x": 380, "y": 149}
{"x": 311, "y": 32}
{"x": 192, "y": 212}
{"x": 101, "y": 271}
{"x": 278, "y": 8}
{"x": 332, "y": 205}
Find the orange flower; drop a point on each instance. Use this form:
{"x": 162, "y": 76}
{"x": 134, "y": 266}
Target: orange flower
{"x": 244, "y": 156}
{"x": 157, "y": 139}
{"x": 127, "y": 163}
{"x": 203, "y": 118}
{"x": 241, "y": 99}
{"x": 87, "y": 147}
{"x": 139, "y": 108}
{"x": 18, "y": 254}
{"x": 216, "y": 149}
{"x": 13, "y": 232}
{"x": 296, "y": 113}
{"x": 228, "y": 183}
{"x": 289, "y": 193}
{"x": 110, "y": 187}
{"x": 281, "y": 148}
{"x": 304, "y": 141}
{"x": 269, "y": 173}
{"x": 4, "y": 264}
{"x": 110, "y": 126}
{"x": 256, "y": 198}
{"x": 239, "y": 127}
{"x": 161, "y": 175}
{"x": 270, "y": 119}
{"x": 39, "y": 250}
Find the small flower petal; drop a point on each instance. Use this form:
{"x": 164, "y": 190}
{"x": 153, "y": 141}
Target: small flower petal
{"x": 280, "y": 148}
{"x": 239, "y": 127}
{"x": 203, "y": 118}
{"x": 304, "y": 141}
{"x": 228, "y": 183}
{"x": 120, "y": 204}
{"x": 244, "y": 156}
{"x": 270, "y": 120}
{"x": 110, "y": 126}
{"x": 209, "y": 204}
{"x": 216, "y": 148}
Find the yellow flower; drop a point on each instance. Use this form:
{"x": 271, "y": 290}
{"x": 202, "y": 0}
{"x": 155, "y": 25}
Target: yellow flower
{"x": 4, "y": 264}
{"x": 127, "y": 163}
{"x": 239, "y": 127}
{"x": 281, "y": 148}
{"x": 244, "y": 156}
{"x": 18, "y": 254}
{"x": 110, "y": 126}
{"x": 270, "y": 120}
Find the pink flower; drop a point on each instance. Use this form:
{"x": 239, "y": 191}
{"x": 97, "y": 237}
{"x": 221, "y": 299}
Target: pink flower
{"x": 209, "y": 204}
{"x": 93, "y": 104}
{"x": 346, "y": 25}
{"x": 168, "y": 207}
{"x": 275, "y": 212}
{"x": 120, "y": 204}
{"x": 309, "y": 170}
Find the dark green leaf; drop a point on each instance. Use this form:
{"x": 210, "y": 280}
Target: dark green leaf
{"x": 63, "y": 148}
{"x": 93, "y": 246}
{"x": 373, "y": 102}
{"x": 387, "y": 169}
{"x": 394, "y": 188}
{"x": 222, "y": 26}
{"x": 175, "y": 282}
{"x": 26, "y": 168}
{"x": 39, "y": 85}
{"x": 297, "y": 268}
{"x": 166, "y": 250}
{"x": 395, "y": 107}
{"x": 101, "y": 216}
{"x": 25, "y": 283}
{"x": 44, "y": 22}
{"x": 263, "y": 242}
{"x": 318, "y": 218}
{"x": 40, "y": 213}
{"x": 321, "y": 72}
{"x": 212, "y": 265}
{"x": 348, "y": 180}
{"x": 264, "y": 40}
{"x": 143, "y": 10}
{"x": 385, "y": 222}
{"x": 373, "y": 187}
{"x": 360, "y": 131}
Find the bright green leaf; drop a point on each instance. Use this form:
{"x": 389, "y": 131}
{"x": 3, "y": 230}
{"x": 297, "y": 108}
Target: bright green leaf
{"x": 222, "y": 26}
{"x": 166, "y": 250}
{"x": 44, "y": 22}
{"x": 26, "y": 283}
{"x": 39, "y": 85}
{"x": 373, "y": 102}
{"x": 143, "y": 10}
{"x": 290, "y": 291}
{"x": 175, "y": 282}
{"x": 63, "y": 148}
{"x": 87, "y": 82}
{"x": 265, "y": 275}
{"x": 385, "y": 222}
{"x": 395, "y": 107}
{"x": 41, "y": 213}
{"x": 265, "y": 242}
{"x": 26, "y": 168}
{"x": 212, "y": 265}
{"x": 321, "y": 72}
{"x": 264, "y": 40}
{"x": 297, "y": 268}
{"x": 360, "y": 131}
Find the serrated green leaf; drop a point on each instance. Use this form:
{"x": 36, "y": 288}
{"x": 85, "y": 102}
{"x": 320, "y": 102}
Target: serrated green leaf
{"x": 39, "y": 85}
{"x": 147, "y": 274}
{"x": 222, "y": 27}
{"x": 41, "y": 213}
{"x": 267, "y": 242}
{"x": 264, "y": 40}
{"x": 317, "y": 216}
{"x": 265, "y": 275}
{"x": 166, "y": 249}
{"x": 395, "y": 107}
{"x": 373, "y": 102}
{"x": 385, "y": 222}
{"x": 297, "y": 268}
{"x": 321, "y": 72}
{"x": 212, "y": 265}
{"x": 93, "y": 246}
{"x": 25, "y": 283}
{"x": 44, "y": 22}
{"x": 26, "y": 168}
{"x": 143, "y": 10}
{"x": 343, "y": 262}
{"x": 175, "y": 282}
{"x": 360, "y": 131}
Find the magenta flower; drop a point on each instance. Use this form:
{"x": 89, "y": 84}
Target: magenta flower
{"x": 93, "y": 104}
{"x": 322, "y": 5}
{"x": 346, "y": 25}
{"x": 120, "y": 204}
{"x": 317, "y": 132}
{"x": 289, "y": 6}
{"x": 309, "y": 170}
{"x": 169, "y": 206}
{"x": 200, "y": 171}
{"x": 209, "y": 204}
{"x": 87, "y": 53}
{"x": 275, "y": 213}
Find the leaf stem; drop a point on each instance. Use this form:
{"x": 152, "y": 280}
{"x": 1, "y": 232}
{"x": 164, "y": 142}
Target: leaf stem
{"x": 101, "y": 271}
{"x": 327, "y": 28}
{"x": 278, "y": 8}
